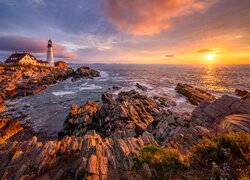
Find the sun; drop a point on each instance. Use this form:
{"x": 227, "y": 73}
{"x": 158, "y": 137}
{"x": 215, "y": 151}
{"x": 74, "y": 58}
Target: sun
{"x": 210, "y": 58}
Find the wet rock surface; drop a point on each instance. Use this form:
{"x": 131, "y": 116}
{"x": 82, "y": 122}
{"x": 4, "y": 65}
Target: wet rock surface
{"x": 244, "y": 94}
{"x": 86, "y": 73}
{"x": 194, "y": 95}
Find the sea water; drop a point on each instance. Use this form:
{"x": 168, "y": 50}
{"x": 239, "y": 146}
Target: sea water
{"x": 47, "y": 110}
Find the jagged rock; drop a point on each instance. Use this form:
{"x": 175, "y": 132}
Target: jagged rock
{"x": 194, "y": 95}
{"x": 92, "y": 165}
{"x": 127, "y": 116}
{"x": 211, "y": 114}
{"x": 168, "y": 125}
{"x": 164, "y": 101}
{"x": 130, "y": 113}
{"x": 100, "y": 158}
{"x": 143, "y": 88}
{"x": 20, "y": 80}
{"x": 244, "y": 94}
{"x": 78, "y": 118}
{"x": 86, "y": 73}
{"x": 8, "y": 128}
{"x": 107, "y": 98}
{"x": 236, "y": 123}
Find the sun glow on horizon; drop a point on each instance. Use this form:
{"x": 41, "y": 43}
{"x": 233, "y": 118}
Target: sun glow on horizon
{"x": 210, "y": 58}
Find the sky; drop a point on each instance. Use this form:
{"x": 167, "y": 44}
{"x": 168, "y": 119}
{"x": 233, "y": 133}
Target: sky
{"x": 128, "y": 31}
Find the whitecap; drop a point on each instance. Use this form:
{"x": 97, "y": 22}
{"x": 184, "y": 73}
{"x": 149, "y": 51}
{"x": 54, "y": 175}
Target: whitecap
{"x": 62, "y": 93}
{"x": 90, "y": 87}
{"x": 102, "y": 79}
{"x": 104, "y": 74}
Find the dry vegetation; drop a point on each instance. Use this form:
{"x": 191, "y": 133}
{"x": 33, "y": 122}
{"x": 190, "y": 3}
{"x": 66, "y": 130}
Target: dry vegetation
{"x": 225, "y": 156}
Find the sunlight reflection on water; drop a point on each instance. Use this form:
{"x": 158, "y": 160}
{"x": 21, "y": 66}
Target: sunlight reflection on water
{"x": 210, "y": 80}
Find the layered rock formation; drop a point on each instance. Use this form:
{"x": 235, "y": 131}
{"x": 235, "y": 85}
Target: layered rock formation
{"x": 236, "y": 123}
{"x": 211, "y": 114}
{"x": 86, "y": 73}
{"x": 18, "y": 81}
{"x": 194, "y": 95}
{"x": 127, "y": 116}
{"x": 88, "y": 157}
{"x": 99, "y": 141}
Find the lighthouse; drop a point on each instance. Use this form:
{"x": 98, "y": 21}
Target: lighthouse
{"x": 50, "y": 55}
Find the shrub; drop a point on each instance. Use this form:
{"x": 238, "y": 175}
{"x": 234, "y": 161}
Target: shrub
{"x": 205, "y": 153}
{"x": 238, "y": 143}
{"x": 163, "y": 162}
{"x": 230, "y": 152}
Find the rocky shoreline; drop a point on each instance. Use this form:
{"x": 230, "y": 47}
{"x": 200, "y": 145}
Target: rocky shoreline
{"x": 102, "y": 140}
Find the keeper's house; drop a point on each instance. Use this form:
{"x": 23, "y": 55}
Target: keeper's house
{"x": 24, "y": 58}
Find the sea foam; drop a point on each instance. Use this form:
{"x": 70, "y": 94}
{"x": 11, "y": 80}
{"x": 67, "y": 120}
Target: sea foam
{"x": 62, "y": 93}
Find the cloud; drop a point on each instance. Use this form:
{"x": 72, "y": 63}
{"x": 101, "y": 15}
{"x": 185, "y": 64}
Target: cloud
{"x": 169, "y": 55}
{"x": 33, "y": 45}
{"x": 214, "y": 50}
{"x": 18, "y": 43}
{"x": 204, "y": 51}
{"x": 149, "y": 17}
{"x": 66, "y": 55}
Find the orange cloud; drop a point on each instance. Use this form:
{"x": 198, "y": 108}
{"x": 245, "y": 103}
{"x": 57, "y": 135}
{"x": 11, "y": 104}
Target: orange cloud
{"x": 147, "y": 17}
{"x": 214, "y": 50}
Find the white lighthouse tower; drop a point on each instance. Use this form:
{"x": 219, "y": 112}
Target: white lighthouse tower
{"x": 50, "y": 55}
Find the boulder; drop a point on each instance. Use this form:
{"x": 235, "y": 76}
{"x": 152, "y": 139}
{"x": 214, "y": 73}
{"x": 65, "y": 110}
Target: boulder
{"x": 194, "y": 95}
{"x": 86, "y": 73}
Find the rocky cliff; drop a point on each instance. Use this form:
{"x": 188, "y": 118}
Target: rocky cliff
{"x": 20, "y": 80}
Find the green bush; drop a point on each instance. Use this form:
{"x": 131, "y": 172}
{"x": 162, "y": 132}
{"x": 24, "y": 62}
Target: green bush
{"x": 163, "y": 162}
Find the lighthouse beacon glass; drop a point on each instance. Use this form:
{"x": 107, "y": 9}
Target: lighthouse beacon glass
{"x": 50, "y": 53}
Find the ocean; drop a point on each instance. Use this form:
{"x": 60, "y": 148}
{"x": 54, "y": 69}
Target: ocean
{"x": 48, "y": 109}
